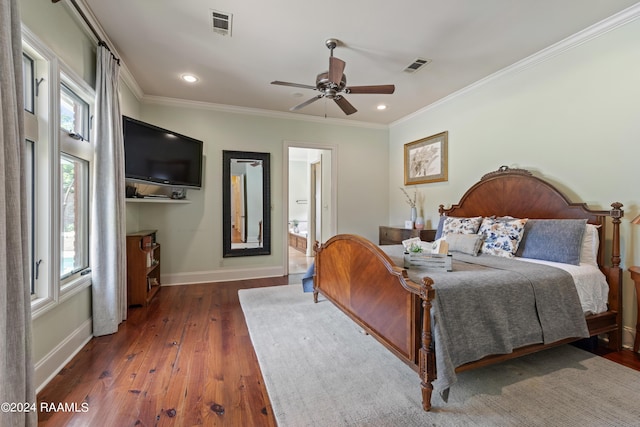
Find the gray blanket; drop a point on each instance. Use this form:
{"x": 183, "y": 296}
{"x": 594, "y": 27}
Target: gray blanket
{"x": 492, "y": 305}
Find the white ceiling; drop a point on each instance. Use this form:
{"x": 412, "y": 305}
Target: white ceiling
{"x": 159, "y": 40}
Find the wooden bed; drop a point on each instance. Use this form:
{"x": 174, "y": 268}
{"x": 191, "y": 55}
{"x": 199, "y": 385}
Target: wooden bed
{"x": 361, "y": 280}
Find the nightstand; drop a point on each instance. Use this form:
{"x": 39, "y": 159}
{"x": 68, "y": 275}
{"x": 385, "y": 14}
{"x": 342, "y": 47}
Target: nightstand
{"x": 635, "y": 276}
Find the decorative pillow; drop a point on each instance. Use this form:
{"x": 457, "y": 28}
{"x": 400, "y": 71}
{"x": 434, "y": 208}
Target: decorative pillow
{"x": 440, "y": 226}
{"x": 501, "y": 237}
{"x": 466, "y": 243}
{"x": 590, "y": 244}
{"x": 558, "y": 240}
{"x": 454, "y": 224}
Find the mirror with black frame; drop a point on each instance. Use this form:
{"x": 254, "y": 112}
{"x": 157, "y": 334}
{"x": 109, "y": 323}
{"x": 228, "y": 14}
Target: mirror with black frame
{"x": 246, "y": 203}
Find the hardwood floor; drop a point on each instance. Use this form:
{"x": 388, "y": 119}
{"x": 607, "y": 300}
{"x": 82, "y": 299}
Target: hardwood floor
{"x": 185, "y": 360}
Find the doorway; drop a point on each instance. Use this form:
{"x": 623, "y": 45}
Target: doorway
{"x": 310, "y": 203}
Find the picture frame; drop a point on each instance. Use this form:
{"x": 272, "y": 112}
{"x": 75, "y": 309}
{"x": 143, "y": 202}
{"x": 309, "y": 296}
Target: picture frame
{"x": 425, "y": 160}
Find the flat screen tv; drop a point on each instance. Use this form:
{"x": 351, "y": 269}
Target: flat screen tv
{"x": 161, "y": 157}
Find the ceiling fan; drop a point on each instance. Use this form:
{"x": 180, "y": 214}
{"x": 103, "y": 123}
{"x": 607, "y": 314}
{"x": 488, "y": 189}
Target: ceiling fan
{"x": 332, "y": 84}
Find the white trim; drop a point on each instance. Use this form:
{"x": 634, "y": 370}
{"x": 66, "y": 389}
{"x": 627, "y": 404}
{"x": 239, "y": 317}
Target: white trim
{"x": 226, "y": 275}
{"x": 285, "y": 190}
{"x": 596, "y": 30}
{"x": 51, "y": 364}
{"x": 628, "y": 336}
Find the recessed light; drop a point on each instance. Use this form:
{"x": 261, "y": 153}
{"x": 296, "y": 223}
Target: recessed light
{"x": 189, "y": 78}
{"x": 381, "y": 107}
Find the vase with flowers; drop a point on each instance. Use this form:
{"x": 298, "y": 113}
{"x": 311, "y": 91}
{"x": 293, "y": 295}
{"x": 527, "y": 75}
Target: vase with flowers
{"x": 412, "y": 203}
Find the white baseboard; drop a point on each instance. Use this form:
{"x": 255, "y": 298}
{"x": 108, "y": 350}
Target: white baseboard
{"x": 49, "y": 366}
{"x": 628, "y": 336}
{"x": 226, "y": 275}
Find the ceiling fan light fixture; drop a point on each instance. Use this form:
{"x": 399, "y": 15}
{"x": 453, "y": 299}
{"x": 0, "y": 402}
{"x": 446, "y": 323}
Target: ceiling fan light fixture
{"x": 332, "y": 84}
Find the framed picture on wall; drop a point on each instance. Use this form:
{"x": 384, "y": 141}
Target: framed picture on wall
{"x": 425, "y": 160}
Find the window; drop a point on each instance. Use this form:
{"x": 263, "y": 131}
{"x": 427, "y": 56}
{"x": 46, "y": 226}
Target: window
{"x": 58, "y": 166}
{"x": 30, "y": 179}
{"x": 38, "y": 66}
{"x": 75, "y": 155}
{"x": 29, "y": 82}
{"x": 74, "y": 215}
{"x": 74, "y": 113}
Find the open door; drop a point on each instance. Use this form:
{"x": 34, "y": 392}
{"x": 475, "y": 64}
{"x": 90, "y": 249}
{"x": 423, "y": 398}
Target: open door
{"x": 315, "y": 232}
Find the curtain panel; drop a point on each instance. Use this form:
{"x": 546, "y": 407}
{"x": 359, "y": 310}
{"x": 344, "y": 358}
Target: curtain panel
{"x": 16, "y": 364}
{"x": 108, "y": 251}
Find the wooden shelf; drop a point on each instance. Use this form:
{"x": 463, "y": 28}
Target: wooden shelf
{"x": 143, "y": 267}
{"x": 158, "y": 200}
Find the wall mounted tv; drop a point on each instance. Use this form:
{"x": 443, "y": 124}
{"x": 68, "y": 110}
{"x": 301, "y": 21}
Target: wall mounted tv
{"x": 161, "y": 157}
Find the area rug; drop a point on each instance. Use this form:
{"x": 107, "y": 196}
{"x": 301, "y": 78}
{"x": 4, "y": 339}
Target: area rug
{"x": 320, "y": 369}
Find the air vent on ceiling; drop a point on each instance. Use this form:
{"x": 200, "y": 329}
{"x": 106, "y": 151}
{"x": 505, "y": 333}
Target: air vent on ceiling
{"x": 416, "y": 65}
{"x": 221, "y": 22}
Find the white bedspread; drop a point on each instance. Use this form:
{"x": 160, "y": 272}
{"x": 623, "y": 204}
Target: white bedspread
{"x": 591, "y": 284}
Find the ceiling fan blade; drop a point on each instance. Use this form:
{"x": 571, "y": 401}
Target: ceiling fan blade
{"x": 293, "y": 85}
{"x": 307, "y": 102}
{"x": 383, "y": 89}
{"x": 344, "y": 105}
{"x": 336, "y": 69}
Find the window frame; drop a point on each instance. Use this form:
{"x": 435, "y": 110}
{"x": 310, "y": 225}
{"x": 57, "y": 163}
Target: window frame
{"x": 50, "y": 141}
{"x": 82, "y": 149}
{"x": 39, "y": 128}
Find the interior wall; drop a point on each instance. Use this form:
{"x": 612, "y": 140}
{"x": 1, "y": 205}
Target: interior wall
{"x": 571, "y": 118}
{"x": 298, "y": 190}
{"x": 191, "y": 234}
{"x": 56, "y": 27}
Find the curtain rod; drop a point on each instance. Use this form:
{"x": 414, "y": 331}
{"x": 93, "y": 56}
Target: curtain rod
{"x": 93, "y": 30}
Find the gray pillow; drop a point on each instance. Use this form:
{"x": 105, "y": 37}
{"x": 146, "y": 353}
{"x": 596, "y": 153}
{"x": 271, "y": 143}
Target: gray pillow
{"x": 558, "y": 240}
{"x": 440, "y": 226}
{"x": 466, "y": 243}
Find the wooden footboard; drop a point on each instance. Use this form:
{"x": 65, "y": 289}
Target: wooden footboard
{"x": 363, "y": 282}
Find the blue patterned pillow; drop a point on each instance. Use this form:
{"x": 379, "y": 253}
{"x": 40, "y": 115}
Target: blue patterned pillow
{"x": 501, "y": 237}
{"x": 558, "y": 240}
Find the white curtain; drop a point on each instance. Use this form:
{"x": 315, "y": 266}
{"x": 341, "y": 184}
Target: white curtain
{"x": 108, "y": 251}
{"x": 16, "y": 365}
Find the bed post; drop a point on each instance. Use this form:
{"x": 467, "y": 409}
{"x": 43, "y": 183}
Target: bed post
{"x": 616, "y": 215}
{"x": 615, "y": 277}
{"x": 317, "y": 247}
{"x": 427, "y": 361}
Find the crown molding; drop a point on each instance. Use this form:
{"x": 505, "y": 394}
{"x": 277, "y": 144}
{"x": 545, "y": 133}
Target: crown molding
{"x": 596, "y": 30}
{"x": 185, "y": 103}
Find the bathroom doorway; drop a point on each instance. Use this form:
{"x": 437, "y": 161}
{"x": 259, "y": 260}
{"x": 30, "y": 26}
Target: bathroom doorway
{"x": 310, "y": 203}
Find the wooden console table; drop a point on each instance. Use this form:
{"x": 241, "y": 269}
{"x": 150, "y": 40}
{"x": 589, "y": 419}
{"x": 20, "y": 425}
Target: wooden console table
{"x": 395, "y": 235}
{"x": 635, "y": 276}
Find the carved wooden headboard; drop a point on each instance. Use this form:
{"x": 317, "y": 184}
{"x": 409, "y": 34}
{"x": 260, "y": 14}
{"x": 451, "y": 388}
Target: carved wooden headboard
{"x": 517, "y": 193}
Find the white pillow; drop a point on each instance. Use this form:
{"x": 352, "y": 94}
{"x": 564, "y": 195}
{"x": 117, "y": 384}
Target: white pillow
{"x": 590, "y": 244}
